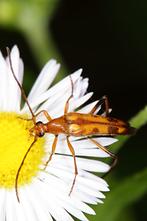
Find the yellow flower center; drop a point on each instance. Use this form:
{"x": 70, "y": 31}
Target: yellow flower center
{"x": 15, "y": 139}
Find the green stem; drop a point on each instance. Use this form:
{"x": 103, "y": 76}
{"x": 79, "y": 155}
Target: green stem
{"x": 44, "y": 48}
{"x": 139, "y": 120}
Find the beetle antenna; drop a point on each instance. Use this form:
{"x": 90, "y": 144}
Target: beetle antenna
{"x": 19, "y": 85}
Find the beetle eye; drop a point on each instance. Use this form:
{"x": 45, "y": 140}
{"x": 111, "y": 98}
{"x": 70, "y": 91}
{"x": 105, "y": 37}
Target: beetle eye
{"x": 41, "y": 134}
{"x": 38, "y": 123}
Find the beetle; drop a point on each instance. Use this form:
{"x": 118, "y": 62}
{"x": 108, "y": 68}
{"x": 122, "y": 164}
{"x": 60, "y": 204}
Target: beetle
{"x": 75, "y": 124}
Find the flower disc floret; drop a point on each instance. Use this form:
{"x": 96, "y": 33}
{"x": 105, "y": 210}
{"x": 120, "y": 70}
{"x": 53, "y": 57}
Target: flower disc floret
{"x": 15, "y": 140}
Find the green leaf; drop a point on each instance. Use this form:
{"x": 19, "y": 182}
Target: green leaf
{"x": 127, "y": 214}
{"x": 121, "y": 196}
{"x": 139, "y": 120}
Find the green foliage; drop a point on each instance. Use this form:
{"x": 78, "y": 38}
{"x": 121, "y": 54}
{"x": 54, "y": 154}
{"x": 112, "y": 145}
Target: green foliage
{"x": 32, "y": 18}
{"x": 121, "y": 196}
{"x": 139, "y": 120}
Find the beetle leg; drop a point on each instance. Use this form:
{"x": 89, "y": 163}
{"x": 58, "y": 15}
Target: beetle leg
{"x": 53, "y": 150}
{"x": 105, "y": 100}
{"x": 46, "y": 114}
{"x": 48, "y": 117}
{"x": 75, "y": 164}
{"x": 115, "y": 159}
{"x": 67, "y": 102}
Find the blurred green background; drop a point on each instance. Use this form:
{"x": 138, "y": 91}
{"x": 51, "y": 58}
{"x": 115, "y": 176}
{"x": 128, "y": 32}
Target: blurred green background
{"x": 108, "y": 39}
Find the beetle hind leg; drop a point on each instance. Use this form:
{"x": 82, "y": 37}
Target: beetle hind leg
{"x": 102, "y": 100}
{"x": 112, "y": 155}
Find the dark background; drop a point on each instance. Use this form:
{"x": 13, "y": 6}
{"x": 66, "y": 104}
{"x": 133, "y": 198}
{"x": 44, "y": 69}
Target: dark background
{"x": 109, "y": 41}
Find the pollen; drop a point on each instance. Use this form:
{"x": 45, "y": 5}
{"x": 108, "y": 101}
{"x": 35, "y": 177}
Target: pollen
{"x": 15, "y": 139}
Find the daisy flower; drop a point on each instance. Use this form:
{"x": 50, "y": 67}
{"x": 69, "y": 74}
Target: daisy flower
{"x": 44, "y": 193}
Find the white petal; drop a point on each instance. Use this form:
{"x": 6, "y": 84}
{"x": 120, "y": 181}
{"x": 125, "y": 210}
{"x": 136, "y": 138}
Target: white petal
{"x": 61, "y": 87}
{"x": 58, "y": 107}
{"x": 85, "y": 152}
{"x": 13, "y": 89}
{"x": 80, "y": 87}
{"x": 61, "y": 192}
{"x": 54, "y": 205}
{"x": 85, "y": 164}
{"x": 81, "y": 147}
{"x": 45, "y": 79}
{"x": 10, "y": 207}
{"x": 2, "y": 204}
{"x": 61, "y": 188}
{"x": 14, "y": 209}
{"x": 86, "y": 143}
{"x": 82, "y": 178}
{"x": 3, "y": 84}
{"x": 80, "y": 181}
{"x": 87, "y": 108}
{"x": 86, "y": 198}
{"x": 59, "y": 100}
{"x": 20, "y": 213}
{"x": 40, "y": 211}
{"x": 75, "y": 203}
{"x": 96, "y": 178}
{"x": 55, "y": 211}
{"x": 77, "y": 213}
{"x": 26, "y": 204}
{"x": 74, "y": 104}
